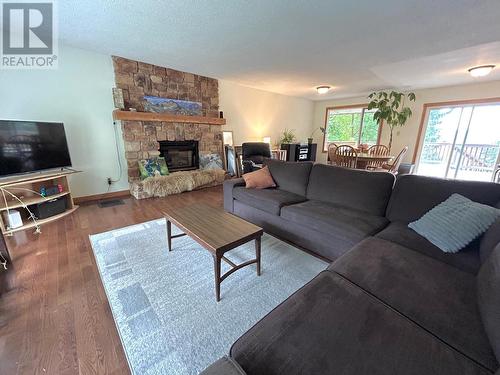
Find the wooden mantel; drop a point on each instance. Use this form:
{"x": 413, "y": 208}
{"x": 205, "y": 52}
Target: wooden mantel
{"x": 165, "y": 117}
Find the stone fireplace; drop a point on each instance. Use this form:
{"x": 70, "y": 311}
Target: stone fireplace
{"x": 180, "y": 155}
{"x": 143, "y": 131}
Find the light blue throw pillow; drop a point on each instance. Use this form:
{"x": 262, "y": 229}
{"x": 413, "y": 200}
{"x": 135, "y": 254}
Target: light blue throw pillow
{"x": 454, "y": 223}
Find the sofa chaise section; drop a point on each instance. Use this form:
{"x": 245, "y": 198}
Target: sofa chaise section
{"x": 434, "y": 295}
{"x": 332, "y": 326}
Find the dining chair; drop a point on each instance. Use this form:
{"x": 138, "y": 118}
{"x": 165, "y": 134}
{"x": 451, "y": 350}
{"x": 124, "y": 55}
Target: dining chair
{"x": 332, "y": 147}
{"x": 377, "y": 150}
{"x": 345, "y": 156}
{"x": 394, "y": 166}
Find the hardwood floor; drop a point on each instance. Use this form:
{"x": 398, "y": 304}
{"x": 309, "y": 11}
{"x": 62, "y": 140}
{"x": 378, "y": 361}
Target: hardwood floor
{"x": 54, "y": 314}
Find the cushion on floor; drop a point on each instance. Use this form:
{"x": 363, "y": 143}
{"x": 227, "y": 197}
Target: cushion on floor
{"x": 334, "y": 220}
{"x": 439, "y": 298}
{"x": 331, "y": 326}
{"x": 269, "y": 200}
{"x": 466, "y": 259}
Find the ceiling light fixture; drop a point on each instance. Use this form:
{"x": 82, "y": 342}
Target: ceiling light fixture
{"x": 481, "y": 71}
{"x": 322, "y": 89}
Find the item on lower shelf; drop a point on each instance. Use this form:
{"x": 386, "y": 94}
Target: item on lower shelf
{"x": 14, "y": 219}
{"x": 50, "y": 208}
{"x": 47, "y": 191}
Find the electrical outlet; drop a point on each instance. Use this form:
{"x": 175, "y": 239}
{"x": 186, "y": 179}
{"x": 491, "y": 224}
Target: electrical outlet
{"x": 109, "y": 181}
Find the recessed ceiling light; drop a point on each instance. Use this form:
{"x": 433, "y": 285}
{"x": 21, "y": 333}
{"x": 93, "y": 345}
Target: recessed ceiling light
{"x": 481, "y": 71}
{"x": 322, "y": 89}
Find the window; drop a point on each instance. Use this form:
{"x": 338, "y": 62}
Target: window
{"x": 350, "y": 126}
{"x": 461, "y": 141}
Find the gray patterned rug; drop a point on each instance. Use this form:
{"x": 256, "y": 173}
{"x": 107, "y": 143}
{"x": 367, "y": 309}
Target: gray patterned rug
{"x": 164, "y": 304}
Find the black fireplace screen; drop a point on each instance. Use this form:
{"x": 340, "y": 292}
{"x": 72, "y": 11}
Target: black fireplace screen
{"x": 180, "y": 155}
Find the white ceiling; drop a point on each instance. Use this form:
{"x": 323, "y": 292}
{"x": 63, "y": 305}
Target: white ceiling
{"x": 292, "y": 46}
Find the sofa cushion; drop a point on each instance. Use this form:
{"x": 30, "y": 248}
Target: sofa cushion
{"x": 334, "y": 220}
{"x": 290, "y": 176}
{"x": 360, "y": 190}
{"x": 488, "y": 288}
{"x": 490, "y": 239}
{"x": 269, "y": 200}
{"x": 414, "y": 195}
{"x": 331, "y": 326}
{"x": 324, "y": 244}
{"x": 455, "y": 222}
{"x": 437, "y": 297}
{"x": 466, "y": 260}
{"x": 259, "y": 179}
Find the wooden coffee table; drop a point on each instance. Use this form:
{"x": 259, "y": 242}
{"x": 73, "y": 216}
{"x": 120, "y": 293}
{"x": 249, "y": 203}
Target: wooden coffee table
{"x": 218, "y": 232}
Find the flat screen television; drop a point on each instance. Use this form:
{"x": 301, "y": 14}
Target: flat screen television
{"x": 32, "y": 146}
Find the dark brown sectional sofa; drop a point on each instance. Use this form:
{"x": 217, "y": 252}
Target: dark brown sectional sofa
{"x": 390, "y": 302}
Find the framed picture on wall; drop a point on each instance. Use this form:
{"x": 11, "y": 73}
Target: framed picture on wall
{"x": 227, "y": 137}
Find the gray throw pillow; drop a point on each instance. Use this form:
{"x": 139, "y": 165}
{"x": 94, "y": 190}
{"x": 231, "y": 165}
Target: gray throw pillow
{"x": 454, "y": 223}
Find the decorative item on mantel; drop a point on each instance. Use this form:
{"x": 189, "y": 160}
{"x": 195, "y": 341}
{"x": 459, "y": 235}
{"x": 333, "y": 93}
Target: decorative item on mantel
{"x": 157, "y": 104}
{"x": 118, "y": 98}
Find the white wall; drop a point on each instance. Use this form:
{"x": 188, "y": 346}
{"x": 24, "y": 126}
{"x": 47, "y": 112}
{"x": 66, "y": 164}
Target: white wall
{"x": 79, "y": 94}
{"x": 253, "y": 114}
{"x": 407, "y": 135}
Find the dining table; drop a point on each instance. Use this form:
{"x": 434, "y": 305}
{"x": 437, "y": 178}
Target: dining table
{"x": 365, "y": 158}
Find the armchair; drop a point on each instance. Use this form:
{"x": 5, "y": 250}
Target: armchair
{"x": 253, "y": 155}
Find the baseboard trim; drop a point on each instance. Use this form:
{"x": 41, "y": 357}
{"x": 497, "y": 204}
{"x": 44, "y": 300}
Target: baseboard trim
{"x": 97, "y": 197}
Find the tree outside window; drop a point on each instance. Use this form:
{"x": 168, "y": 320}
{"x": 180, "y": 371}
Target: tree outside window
{"x": 351, "y": 126}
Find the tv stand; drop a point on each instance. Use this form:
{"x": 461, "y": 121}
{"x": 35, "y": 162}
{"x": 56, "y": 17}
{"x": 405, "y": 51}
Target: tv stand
{"x": 25, "y": 187}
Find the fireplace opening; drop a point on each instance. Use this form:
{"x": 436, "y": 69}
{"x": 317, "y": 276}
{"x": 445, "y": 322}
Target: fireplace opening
{"x": 180, "y": 155}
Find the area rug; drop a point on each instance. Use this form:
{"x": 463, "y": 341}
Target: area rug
{"x": 164, "y": 303}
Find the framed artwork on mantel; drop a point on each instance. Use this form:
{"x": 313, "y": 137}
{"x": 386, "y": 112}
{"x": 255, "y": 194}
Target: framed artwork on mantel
{"x": 227, "y": 137}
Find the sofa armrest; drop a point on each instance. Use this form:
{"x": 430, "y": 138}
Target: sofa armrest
{"x": 228, "y": 192}
{"x": 224, "y": 366}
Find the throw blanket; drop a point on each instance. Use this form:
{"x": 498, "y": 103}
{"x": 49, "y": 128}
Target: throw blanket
{"x": 178, "y": 182}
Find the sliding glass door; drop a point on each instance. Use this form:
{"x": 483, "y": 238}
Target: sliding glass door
{"x": 461, "y": 142}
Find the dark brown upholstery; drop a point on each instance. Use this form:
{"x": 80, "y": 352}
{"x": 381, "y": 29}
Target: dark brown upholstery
{"x": 439, "y": 298}
{"x": 269, "y": 200}
{"x": 328, "y": 218}
{"x": 290, "y": 176}
{"x": 331, "y": 326}
{"x": 360, "y": 190}
{"x": 467, "y": 259}
{"x": 389, "y": 304}
{"x": 414, "y": 195}
{"x": 488, "y": 287}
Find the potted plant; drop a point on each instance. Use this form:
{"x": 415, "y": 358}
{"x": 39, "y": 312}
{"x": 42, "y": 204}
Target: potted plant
{"x": 390, "y": 107}
{"x": 288, "y": 136}
{"x": 311, "y": 137}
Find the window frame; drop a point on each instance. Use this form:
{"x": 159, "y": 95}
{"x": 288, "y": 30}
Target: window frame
{"x": 427, "y": 107}
{"x": 363, "y": 106}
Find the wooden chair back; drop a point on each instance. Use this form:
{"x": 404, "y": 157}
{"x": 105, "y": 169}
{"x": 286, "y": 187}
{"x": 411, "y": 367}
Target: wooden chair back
{"x": 332, "y": 147}
{"x": 345, "y": 156}
{"x": 397, "y": 162}
{"x": 377, "y": 150}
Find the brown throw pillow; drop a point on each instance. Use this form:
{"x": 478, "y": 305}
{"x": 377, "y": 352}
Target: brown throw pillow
{"x": 260, "y": 179}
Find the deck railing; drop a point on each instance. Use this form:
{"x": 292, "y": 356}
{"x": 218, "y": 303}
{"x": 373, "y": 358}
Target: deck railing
{"x": 475, "y": 157}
